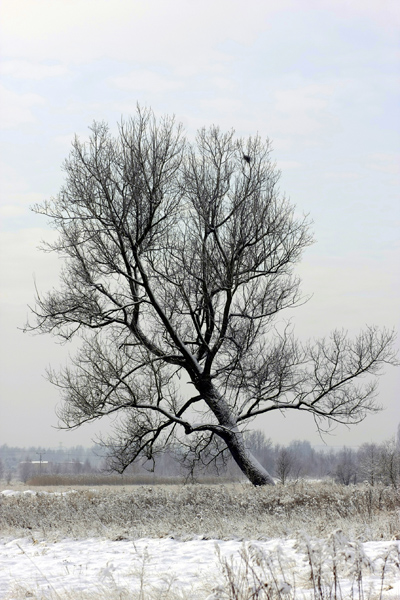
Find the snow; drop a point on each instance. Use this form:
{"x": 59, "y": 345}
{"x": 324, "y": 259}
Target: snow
{"x": 71, "y": 565}
{"x": 89, "y": 564}
{"x": 33, "y": 493}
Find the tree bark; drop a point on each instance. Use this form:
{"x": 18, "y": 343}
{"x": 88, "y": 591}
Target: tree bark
{"x": 247, "y": 463}
{"x": 233, "y": 437}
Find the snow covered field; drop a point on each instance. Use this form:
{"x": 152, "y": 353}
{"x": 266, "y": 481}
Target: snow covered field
{"x": 192, "y": 566}
{"x": 59, "y": 566}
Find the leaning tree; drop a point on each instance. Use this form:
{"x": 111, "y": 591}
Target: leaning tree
{"x": 178, "y": 257}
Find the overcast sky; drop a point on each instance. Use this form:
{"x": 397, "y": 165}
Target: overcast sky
{"x": 318, "y": 77}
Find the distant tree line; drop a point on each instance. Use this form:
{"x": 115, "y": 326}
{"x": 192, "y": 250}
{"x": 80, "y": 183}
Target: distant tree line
{"x": 371, "y": 463}
{"x": 21, "y": 463}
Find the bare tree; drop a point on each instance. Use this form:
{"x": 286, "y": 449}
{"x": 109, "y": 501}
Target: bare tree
{"x": 369, "y": 463}
{"x": 177, "y": 259}
{"x": 261, "y": 447}
{"x": 284, "y": 465}
{"x": 304, "y": 458}
{"x": 25, "y": 470}
{"x": 390, "y": 463}
{"x": 346, "y": 468}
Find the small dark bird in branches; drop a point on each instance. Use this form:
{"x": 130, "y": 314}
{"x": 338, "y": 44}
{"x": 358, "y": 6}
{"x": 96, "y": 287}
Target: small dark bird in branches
{"x": 246, "y": 157}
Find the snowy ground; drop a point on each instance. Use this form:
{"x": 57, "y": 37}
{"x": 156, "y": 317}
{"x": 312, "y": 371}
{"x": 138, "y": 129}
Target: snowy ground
{"x": 85, "y": 565}
{"x": 98, "y": 564}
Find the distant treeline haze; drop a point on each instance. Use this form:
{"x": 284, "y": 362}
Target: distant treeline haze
{"x": 371, "y": 463}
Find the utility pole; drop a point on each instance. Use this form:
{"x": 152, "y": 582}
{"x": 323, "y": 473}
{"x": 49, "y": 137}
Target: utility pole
{"x": 40, "y": 460}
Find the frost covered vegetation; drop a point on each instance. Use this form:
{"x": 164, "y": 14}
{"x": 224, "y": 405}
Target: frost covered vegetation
{"x": 329, "y": 539}
{"x": 218, "y": 511}
{"x": 311, "y": 540}
{"x": 335, "y": 569}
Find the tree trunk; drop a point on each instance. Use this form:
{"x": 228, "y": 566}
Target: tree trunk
{"x": 233, "y": 437}
{"x": 247, "y": 463}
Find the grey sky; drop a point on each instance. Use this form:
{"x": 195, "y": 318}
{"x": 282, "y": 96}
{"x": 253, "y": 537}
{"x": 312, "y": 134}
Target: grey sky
{"x": 320, "y": 78}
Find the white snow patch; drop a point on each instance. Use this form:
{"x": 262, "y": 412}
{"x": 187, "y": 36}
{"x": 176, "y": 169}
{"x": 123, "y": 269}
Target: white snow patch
{"x": 35, "y": 493}
{"x": 84, "y": 565}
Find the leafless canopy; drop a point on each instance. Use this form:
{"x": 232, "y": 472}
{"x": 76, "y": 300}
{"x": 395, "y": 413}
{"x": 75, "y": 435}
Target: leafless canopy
{"x": 177, "y": 259}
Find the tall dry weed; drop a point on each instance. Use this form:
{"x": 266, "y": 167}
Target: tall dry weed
{"x": 217, "y": 511}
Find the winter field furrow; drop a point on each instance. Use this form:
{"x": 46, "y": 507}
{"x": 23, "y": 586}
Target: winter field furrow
{"x": 223, "y": 542}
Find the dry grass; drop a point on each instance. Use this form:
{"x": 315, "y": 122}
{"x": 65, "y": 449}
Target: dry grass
{"x": 224, "y": 511}
{"x": 101, "y": 479}
{"x": 217, "y": 511}
{"x": 337, "y": 569}
{"x": 333, "y": 569}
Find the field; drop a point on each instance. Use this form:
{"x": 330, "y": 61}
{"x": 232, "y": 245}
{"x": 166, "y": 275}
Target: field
{"x": 222, "y": 542}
